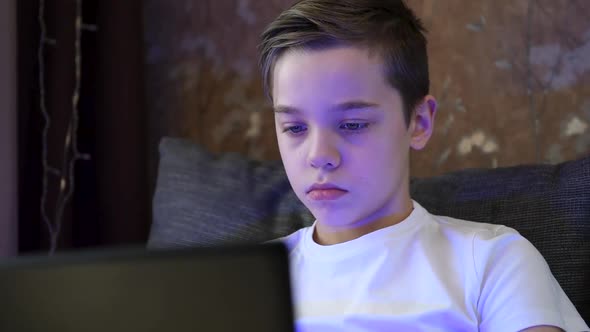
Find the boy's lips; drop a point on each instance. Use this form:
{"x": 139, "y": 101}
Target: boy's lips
{"x": 325, "y": 192}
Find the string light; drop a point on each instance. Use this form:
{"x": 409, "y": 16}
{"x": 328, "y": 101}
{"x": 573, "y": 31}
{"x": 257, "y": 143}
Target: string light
{"x": 71, "y": 154}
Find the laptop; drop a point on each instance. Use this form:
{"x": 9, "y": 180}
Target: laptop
{"x": 233, "y": 288}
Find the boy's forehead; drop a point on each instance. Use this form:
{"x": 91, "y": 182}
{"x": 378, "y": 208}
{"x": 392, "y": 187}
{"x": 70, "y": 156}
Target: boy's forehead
{"x": 328, "y": 65}
{"x": 332, "y": 57}
{"x": 340, "y": 73}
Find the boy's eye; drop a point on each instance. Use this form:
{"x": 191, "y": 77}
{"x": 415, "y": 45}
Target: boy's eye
{"x": 352, "y": 126}
{"x": 296, "y": 129}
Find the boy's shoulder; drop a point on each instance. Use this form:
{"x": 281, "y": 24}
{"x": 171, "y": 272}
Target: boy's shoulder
{"x": 475, "y": 235}
{"x": 294, "y": 239}
{"x": 462, "y": 226}
{"x": 467, "y": 227}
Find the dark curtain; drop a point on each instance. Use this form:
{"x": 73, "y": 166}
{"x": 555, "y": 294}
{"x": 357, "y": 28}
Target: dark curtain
{"x": 111, "y": 201}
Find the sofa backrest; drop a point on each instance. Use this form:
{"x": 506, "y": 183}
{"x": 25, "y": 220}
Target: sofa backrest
{"x": 205, "y": 200}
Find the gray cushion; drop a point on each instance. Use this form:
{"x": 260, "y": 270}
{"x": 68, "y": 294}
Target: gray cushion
{"x": 204, "y": 200}
{"x": 201, "y": 199}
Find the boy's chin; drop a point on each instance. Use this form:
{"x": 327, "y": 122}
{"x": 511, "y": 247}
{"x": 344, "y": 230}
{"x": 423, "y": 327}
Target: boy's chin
{"x": 336, "y": 219}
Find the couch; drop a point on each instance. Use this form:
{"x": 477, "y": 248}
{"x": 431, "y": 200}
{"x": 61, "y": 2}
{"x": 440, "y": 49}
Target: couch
{"x": 203, "y": 199}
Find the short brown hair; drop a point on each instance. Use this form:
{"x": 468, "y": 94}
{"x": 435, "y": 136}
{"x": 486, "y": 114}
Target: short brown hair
{"x": 388, "y": 27}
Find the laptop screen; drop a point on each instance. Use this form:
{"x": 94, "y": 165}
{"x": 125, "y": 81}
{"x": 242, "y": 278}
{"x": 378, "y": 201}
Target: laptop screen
{"x": 241, "y": 288}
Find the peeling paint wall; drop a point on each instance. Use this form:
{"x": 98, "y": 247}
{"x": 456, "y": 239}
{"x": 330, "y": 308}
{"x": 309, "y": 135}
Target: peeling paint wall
{"x": 512, "y": 79}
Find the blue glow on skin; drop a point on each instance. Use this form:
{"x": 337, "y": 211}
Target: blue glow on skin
{"x": 338, "y": 121}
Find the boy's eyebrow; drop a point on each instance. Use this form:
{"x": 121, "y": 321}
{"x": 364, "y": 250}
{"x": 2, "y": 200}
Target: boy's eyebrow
{"x": 354, "y": 105}
{"x": 345, "y": 106}
{"x": 286, "y": 109}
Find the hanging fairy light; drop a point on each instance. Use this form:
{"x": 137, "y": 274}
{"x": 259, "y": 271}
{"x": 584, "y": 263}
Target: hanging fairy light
{"x": 71, "y": 154}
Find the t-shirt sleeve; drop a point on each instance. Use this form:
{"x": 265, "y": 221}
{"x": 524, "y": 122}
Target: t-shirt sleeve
{"x": 517, "y": 289}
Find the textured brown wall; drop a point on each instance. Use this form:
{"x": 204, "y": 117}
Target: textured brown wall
{"x": 512, "y": 78}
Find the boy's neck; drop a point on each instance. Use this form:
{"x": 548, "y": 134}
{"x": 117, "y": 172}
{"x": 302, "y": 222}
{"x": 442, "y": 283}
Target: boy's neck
{"x": 326, "y": 235}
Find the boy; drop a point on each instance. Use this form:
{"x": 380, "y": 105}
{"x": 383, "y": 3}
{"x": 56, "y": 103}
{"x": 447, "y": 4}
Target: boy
{"x": 349, "y": 83}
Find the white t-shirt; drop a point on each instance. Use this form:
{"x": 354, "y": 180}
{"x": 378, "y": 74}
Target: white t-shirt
{"x": 427, "y": 273}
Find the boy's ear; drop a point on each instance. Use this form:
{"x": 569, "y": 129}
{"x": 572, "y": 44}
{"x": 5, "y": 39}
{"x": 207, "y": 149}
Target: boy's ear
{"x": 422, "y": 123}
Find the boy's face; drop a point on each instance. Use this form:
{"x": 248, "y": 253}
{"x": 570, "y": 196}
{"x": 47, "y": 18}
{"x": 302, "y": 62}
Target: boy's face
{"x": 340, "y": 127}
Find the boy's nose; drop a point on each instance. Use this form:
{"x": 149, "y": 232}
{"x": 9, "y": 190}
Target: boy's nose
{"x": 323, "y": 153}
